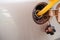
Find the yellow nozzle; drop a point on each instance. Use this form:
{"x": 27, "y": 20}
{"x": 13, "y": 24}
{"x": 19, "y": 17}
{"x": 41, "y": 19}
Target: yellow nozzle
{"x": 50, "y": 5}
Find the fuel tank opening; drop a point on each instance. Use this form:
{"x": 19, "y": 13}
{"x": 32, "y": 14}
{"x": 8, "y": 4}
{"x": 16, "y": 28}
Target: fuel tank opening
{"x": 40, "y": 19}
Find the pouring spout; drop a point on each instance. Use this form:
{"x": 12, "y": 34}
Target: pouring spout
{"x": 46, "y": 8}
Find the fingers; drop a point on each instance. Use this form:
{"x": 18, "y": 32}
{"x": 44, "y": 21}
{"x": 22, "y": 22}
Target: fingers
{"x": 57, "y": 12}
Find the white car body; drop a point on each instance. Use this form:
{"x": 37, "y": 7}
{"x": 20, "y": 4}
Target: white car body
{"x": 16, "y": 22}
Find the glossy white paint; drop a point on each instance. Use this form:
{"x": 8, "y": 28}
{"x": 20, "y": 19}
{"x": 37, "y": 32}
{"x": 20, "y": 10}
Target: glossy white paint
{"x": 16, "y": 21}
